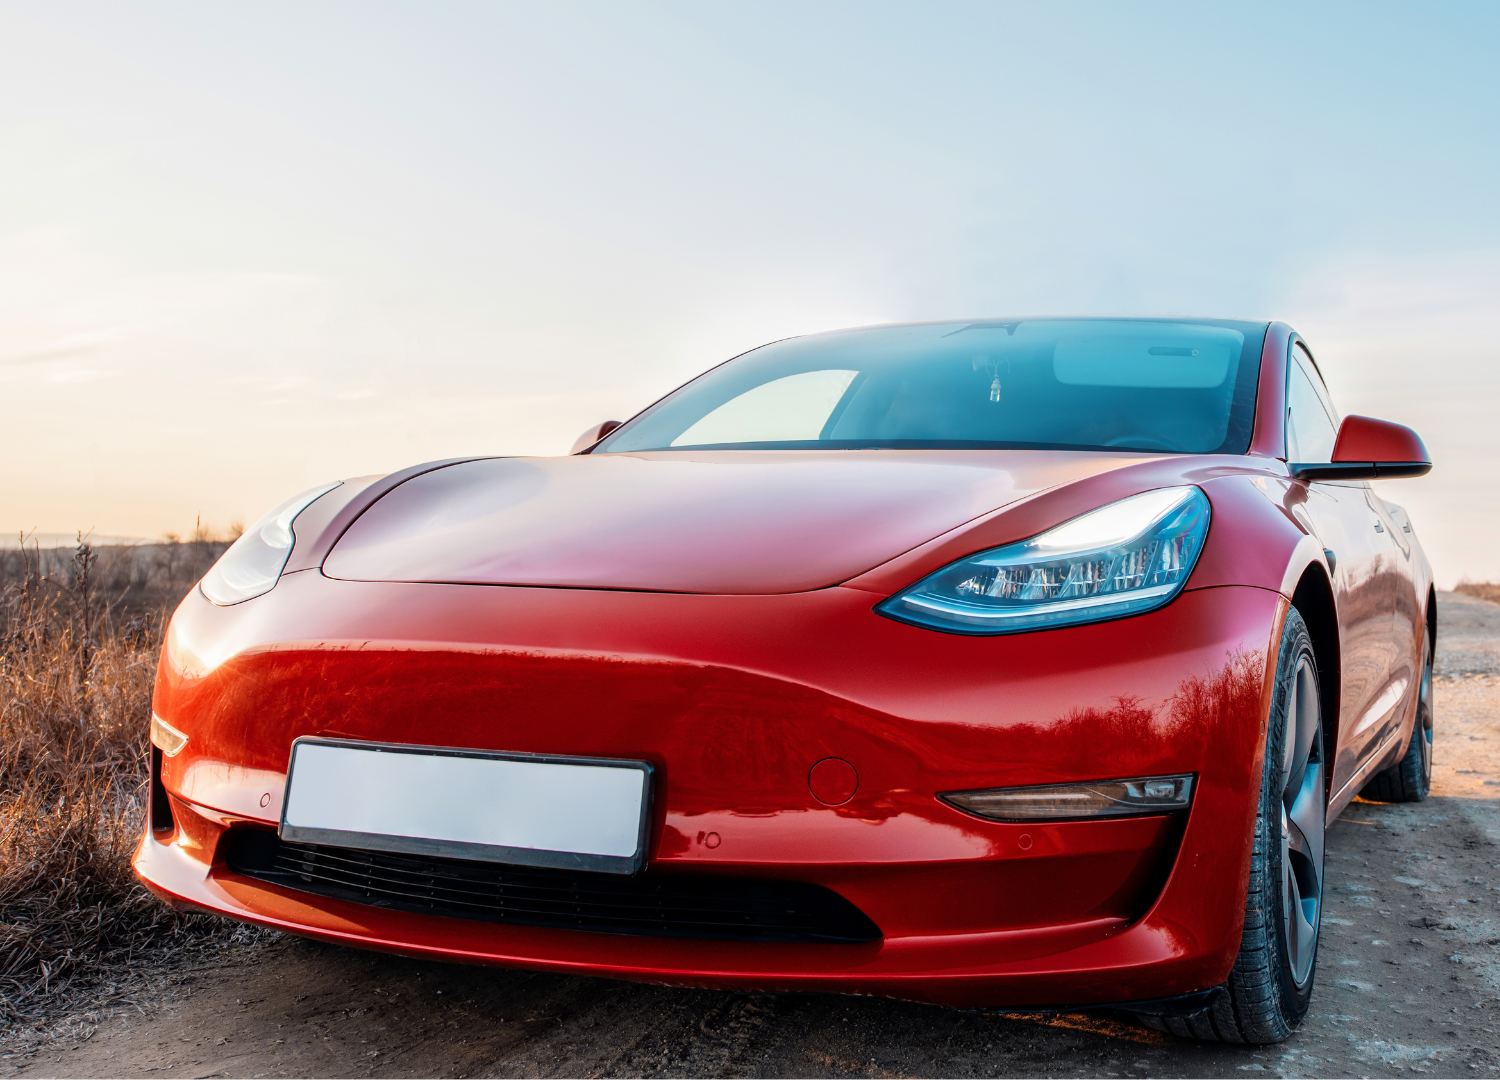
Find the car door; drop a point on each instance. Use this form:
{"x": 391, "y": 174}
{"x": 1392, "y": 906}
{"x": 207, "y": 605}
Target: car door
{"x": 1406, "y": 608}
{"x": 1345, "y": 522}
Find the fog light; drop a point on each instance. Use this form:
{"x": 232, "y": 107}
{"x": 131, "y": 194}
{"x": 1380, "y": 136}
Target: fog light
{"x": 1070, "y": 802}
{"x": 165, "y": 737}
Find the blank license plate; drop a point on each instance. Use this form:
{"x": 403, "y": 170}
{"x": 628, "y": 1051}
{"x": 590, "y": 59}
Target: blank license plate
{"x": 575, "y": 813}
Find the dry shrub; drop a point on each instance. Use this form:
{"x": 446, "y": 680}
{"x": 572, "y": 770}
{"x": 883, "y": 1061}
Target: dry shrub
{"x": 75, "y": 699}
{"x": 1485, "y": 590}
{"x": 141, "y": 580}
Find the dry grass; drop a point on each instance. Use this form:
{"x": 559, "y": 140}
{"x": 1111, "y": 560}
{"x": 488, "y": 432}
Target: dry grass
{"x": 1485, "y": 590}
{"x": 79, "y": 636}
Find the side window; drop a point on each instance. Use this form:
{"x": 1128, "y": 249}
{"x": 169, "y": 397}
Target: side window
{"x": 1303, "y": 357}
{"x": 1310, "y": 428}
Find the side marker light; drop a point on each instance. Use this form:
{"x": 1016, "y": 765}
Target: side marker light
{"x": 165, "y": 737}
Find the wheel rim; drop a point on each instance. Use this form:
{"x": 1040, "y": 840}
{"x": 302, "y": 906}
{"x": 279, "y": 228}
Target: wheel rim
{"x": 1424, "y": 704}
{"x": 1303, "y": 821}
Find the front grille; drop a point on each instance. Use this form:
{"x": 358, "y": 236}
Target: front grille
{"x": 651, "y": 904}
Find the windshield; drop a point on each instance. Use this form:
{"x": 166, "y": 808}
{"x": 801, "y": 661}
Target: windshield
{"x": 1182, "y": 386}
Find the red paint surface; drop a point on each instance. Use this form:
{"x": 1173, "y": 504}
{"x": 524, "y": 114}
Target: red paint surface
{"x": 1362, "y": 438}
{"x": 707, "y": 522}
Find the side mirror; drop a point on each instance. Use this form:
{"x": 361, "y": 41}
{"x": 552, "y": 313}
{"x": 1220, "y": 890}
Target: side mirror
{"x": 593, "y": 435}
{"x": 1369, "y": 449}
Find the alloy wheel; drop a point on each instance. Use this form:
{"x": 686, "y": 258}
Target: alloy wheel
{"x": 1424, "y": 711}
{"x": 1303, "y": 822}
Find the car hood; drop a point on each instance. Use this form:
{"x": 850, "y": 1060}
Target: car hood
{"x": 714, "y": 522}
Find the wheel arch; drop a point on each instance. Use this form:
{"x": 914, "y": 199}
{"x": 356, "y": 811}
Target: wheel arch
{"x": 1432, "y": 620}
{"x": 1313, "y": 599}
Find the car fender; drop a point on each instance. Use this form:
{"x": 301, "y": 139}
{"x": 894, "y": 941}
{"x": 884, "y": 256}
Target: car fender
{"x": 1255, "y": 536}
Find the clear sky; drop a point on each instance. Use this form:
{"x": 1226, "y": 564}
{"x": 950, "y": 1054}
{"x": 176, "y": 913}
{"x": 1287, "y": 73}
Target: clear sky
{"x": 246, "y": 248}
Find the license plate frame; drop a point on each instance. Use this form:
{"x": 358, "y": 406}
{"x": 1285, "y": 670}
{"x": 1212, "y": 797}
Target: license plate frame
{"x": 346, "y": 813}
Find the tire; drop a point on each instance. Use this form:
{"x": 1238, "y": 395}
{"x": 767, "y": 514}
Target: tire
{"x": 1410, "y": 779}
{"x": 1270, "y": 986}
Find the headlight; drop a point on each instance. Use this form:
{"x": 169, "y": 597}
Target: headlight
{"x": 253, "y": 563}
{"x": 1122, "y": 559}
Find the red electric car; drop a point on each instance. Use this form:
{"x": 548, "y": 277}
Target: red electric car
{"x": 1013, "y": 664}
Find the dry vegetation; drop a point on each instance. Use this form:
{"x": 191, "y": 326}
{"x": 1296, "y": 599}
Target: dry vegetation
{"x": 79, "y": 635}
{"x": 1485, "y": 590}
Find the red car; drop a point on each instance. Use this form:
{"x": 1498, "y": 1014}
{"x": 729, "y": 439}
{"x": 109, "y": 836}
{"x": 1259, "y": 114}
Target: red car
{"x": 1014, "y": 664}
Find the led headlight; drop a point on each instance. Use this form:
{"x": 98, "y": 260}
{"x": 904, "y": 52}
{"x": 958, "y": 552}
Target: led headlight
{"x": 1122, "y": 559}
{"x": 254, "y": 562}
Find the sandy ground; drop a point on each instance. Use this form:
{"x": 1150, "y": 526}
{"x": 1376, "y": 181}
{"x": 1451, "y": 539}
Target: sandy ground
{"x": 1408, "y": 979}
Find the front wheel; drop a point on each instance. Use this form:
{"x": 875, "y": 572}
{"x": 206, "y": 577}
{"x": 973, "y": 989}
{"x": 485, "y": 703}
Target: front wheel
{"x": 1270, "y": 987}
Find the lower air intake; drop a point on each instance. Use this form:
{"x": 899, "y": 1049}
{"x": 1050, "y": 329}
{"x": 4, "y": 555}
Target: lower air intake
{"x": 649, "y": 904}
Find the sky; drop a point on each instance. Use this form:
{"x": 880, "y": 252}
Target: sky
{"x": 245, "y": 249}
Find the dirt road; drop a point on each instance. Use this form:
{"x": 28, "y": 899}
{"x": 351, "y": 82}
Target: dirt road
{"x": 1408, "y": 978}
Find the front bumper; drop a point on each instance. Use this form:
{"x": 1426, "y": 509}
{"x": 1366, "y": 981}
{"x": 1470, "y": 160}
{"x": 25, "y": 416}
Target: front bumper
{"x": 733, "y": 699}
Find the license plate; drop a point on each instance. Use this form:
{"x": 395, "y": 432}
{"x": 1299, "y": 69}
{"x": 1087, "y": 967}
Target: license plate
{"x": 529, "y": 810}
